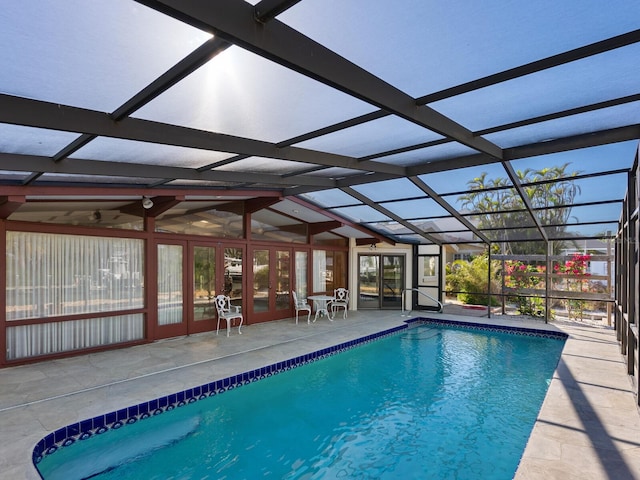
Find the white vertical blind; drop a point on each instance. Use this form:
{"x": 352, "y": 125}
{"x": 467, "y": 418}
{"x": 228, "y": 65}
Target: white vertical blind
{"x": 52, "y": 275}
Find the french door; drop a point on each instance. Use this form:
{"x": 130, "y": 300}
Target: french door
{"x": 270, "y": 278}
{"x": 189, "y": 276}
{"x": 380, "y": 281}
{"x": 215, "y": 270}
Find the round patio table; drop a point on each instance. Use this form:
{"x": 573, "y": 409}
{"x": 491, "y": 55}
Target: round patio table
{"x": 321, "y": 301}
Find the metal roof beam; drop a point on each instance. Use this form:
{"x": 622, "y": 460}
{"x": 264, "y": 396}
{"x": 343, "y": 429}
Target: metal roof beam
{"x": 312, "y": 169}
{"x": 76, "y": 166}
{"x": 575, "y": 142}
{"x": 220, "y": 163}
{"x": 336, "y": 127}
{"x": 543, "y": 64}
{"x": 444, "y": 204}
{"x": 35, "y": 113}
{"x": 525, "y": 198}
{"x": 390, "y": 214}
{"x": 180, "y": 70}
{"x": 235, "y": 21}
{"x": 450, "y": 164}
{"x": 267, "y": 10}
{"x": 549, "y": 62}
{"x": 342, "y": 182}
{"x": 190, "y": 63}
{"x": 564, "y": 113}
{"x": 508, "y": 126}
{"x": 596, "y": 48}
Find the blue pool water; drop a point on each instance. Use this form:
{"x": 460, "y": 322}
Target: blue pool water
{"x": 427, "y": 402}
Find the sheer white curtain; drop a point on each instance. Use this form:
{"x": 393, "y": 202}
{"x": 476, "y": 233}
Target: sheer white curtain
{"x": 26, "y": 341}
{"x": 169, "y": 284}
{"x": 319, "y": 271}
{"x": 301, "y": 274}
{"x": 52, "y": 275}
{"x": 55, "y": 275}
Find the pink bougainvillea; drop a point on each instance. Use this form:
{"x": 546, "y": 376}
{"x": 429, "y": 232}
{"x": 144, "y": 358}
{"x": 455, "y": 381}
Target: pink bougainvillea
{"x": 519, "y": 275}
{"x": 576, "y": 271}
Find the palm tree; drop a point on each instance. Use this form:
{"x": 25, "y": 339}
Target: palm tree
{"x": 496, "y": 205}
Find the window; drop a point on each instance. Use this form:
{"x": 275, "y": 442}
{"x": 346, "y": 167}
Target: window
{"x": 50, "y": 275}
{"x": 329, "y": 270}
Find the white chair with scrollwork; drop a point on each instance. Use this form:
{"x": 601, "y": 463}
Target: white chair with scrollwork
{"x": 301, "y": 305}
{"x": 227, "y": 312}
{"x": 340, "y": 300}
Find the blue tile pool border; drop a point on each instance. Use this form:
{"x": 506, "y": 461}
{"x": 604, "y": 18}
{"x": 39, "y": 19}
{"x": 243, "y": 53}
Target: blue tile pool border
{"x": 527, "y": 331}
{"x": 85, "y": 429}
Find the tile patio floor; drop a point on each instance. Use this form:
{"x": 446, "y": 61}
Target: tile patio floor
{"x": 588, "y": 427}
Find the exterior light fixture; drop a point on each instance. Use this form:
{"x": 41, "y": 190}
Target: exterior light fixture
{"x": 147, "y": 203}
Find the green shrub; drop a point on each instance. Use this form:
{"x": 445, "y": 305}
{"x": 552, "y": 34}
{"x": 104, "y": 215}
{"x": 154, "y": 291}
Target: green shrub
{"x": 469, "y": 278}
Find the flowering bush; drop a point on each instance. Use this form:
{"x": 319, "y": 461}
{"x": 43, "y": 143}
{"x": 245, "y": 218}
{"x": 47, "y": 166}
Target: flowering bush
{"x": 578, "y": 265}
{"x": 575, "y": 271}
{"x": 519, "y": 275}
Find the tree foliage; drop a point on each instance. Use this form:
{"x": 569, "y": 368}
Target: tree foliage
{"x": 497, "y": 205}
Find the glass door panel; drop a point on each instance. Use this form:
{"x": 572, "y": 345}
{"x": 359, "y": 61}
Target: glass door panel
{"x": 282, "y": 280}
{"x": 301, "y": 275}
{"x": 393, "y": 281}
{"x": 428, "y": 280}
{"x": 204, "y": 283}
{"x": 233, "y": 272}
{"x": 428, "y": 270}
{"x": 260, "y": 280}
{"x": 380, "y": 281}
{"x": 369, "y": 281}
{"x": 271, "y": 282}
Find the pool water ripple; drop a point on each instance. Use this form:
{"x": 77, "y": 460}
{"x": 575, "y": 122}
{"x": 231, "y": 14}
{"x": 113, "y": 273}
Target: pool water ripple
{"x": 429, "y": 402}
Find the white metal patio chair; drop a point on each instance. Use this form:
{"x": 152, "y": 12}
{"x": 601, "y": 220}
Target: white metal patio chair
{"x": 227, "y": 312}
{"x": 301, "y": 306}
{"x": 340, "y": 300}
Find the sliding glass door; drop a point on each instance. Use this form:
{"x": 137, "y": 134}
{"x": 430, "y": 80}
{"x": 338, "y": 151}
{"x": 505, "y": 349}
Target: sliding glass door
{"x": 380, "y": 281}
{"x": 392, "y": 281}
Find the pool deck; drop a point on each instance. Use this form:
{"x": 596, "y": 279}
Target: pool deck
{"x": 588, "y": 426}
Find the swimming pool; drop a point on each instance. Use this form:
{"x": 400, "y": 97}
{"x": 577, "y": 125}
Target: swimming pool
{"x": 434, "y": 401}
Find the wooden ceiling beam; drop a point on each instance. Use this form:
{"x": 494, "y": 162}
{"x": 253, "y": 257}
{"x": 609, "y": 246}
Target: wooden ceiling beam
{"x": 9, "y": 204}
